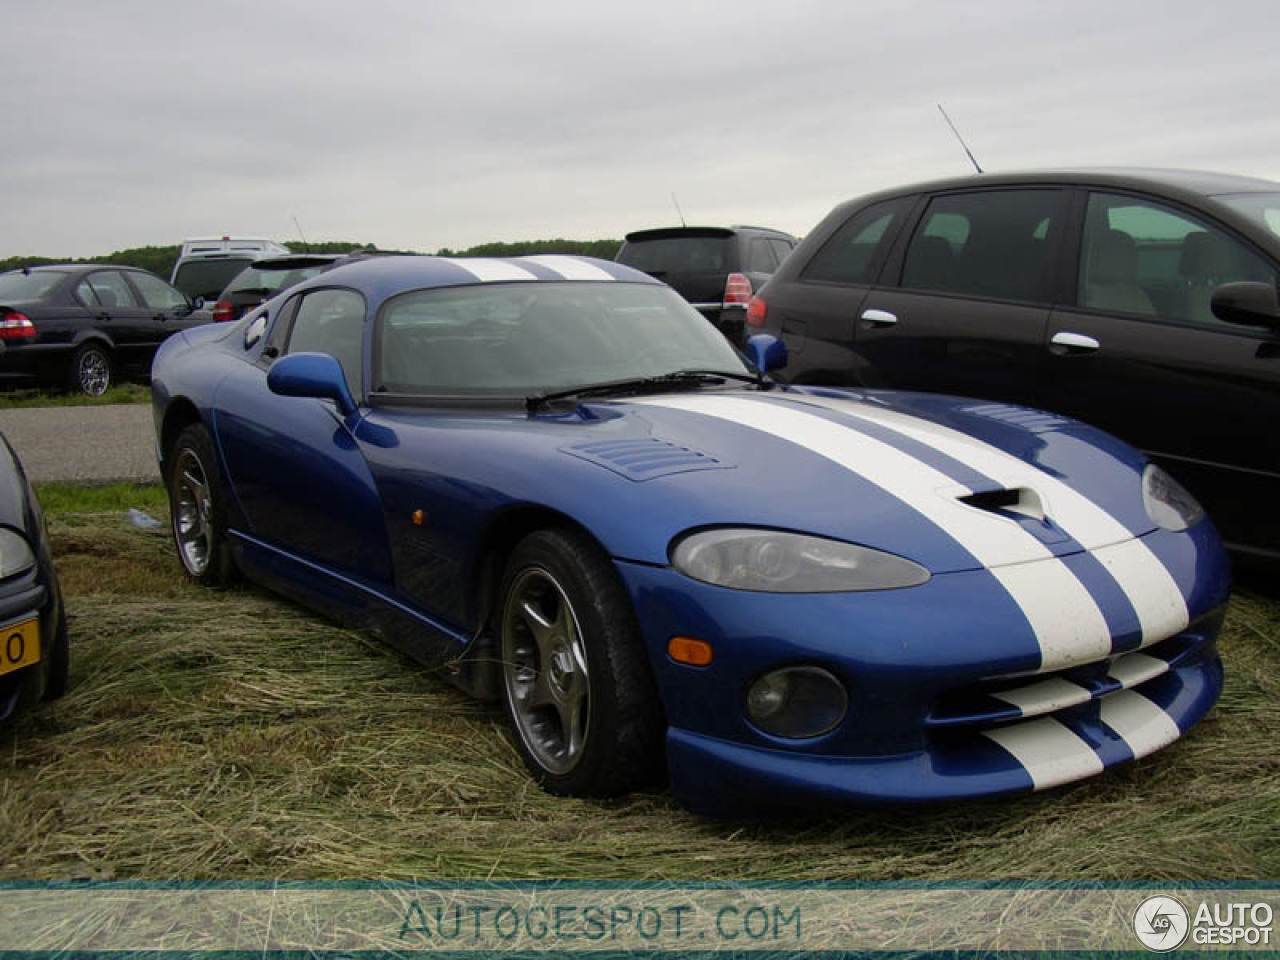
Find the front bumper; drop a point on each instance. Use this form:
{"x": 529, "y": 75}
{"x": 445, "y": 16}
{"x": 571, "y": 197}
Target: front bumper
{"x": 919, "y": 665}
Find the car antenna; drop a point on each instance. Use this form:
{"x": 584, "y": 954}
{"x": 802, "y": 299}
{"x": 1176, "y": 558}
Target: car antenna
{"x": 306, "y": 247}
{"x": 679, "y": 212}
{"x": 960, "y": 138}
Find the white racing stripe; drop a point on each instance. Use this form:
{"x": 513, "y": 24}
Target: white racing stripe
{"x": 1155, "y": 596}
{"x": 491, "y": 270}
{"x": 1064, "y": 617}
{"x": 1135, "y": 668}
{"x": 1046, "y": 696}
{"x": 1048, "y": 751}
{"x": 1143, "y": 726}
{"x": 570, "y": 268}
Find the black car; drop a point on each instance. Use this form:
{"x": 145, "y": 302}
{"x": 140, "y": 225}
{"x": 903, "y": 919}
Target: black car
{"x": 34, "y": 650}
{"x": 264, "y": 278}
{"x": 81, "y": 324}
{"x": 716, "y": 269}
{"x": 1142, "y": 301}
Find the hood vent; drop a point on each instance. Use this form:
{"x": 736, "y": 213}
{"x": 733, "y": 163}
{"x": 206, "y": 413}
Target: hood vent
{"x": 644, "y": 458}
{"x": 1021, "y": 500}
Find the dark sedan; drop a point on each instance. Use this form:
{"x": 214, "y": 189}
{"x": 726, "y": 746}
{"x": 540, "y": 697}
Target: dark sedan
{"x": 34, "y": 650}
{"x": 1144, "y": 302}
{"x": 263, "y": 279}
{"x": 82, "y": 325}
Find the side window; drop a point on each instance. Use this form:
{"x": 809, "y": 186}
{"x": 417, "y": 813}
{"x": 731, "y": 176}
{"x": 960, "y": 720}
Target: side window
{"x": 1140, "y": 257}
{"x": 85, "y": 294}
{"x": 280, "y": 330}
{"x": 157, "y": 294}
{"x": 781, "y": 248}
{"x": 855, "y": 251}
{"x": 760, "y": 258}
{"x": 332, "y": 322}
{"x": 990, "y": 244}
{"x": 110, "y": 288}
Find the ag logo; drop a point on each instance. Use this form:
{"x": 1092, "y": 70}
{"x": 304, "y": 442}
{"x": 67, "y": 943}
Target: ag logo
{"x": 1161, "y": 923}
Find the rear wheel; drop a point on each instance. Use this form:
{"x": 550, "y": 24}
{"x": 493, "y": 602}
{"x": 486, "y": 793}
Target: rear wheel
{"x": 577, "y": 688}
{"x": 91, "y": 369}
{"x": 197, "y": 504}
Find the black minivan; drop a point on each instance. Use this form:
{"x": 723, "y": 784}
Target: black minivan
{"x": 1141, "y": 301}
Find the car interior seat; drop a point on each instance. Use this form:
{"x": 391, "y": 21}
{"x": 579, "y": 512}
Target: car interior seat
{"x": 1110, "y": 281}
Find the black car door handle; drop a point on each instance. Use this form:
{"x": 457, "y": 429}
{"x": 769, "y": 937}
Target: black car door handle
{"x": 879, "y": 318}
{"x": 1066, "y": 342}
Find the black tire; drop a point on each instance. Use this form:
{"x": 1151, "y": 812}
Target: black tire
{"x": 59, "y": 677}
{"x": 197, "y": 507}
{"x": 571, "y": 648}
{"x": 92, "y": 370}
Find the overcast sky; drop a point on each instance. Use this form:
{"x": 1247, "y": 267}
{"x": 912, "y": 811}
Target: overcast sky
{"x": 436, "y": 123}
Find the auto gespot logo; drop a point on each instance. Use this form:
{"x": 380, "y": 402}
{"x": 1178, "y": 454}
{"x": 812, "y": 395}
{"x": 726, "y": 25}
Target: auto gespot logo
{"x": 1162, "y": 923}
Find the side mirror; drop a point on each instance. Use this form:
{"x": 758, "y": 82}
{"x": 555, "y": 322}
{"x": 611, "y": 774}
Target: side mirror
{"x": 197, "y": 304}
{"x": 1255, "y": 304}
{"x": 766, "y": 352}
{"x": 312, "y": 375}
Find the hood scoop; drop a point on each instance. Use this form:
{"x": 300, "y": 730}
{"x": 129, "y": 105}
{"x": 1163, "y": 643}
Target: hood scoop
{"x": 1022, "y": 506}
{"x": 644, "y": 459}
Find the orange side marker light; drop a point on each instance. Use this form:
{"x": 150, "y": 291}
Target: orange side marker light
{"x": 696, "y": 653}
{"x": 419, "y": 518}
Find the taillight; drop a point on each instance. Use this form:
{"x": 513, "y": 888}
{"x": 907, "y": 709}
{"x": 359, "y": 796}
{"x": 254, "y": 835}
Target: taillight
{"x": 737, "y": 289}
{"x": 756, "y": 311}
{"x": 222, "y": 311}
{"x": 16, "y": 326}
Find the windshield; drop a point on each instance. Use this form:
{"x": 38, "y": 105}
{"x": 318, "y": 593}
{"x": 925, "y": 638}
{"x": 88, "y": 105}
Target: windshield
{"x": 529, "y": 338}
{"x": 207, "y": 277}
{"x": 17, "y": 285}
{"x": 1262, "y": 208}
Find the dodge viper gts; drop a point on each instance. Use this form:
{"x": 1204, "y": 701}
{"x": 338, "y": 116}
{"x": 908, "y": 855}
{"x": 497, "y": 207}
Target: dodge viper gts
{"x": 551, "y": 476}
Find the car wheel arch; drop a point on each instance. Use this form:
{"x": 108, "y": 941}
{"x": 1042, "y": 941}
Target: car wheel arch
{"x": 179, "y": 415}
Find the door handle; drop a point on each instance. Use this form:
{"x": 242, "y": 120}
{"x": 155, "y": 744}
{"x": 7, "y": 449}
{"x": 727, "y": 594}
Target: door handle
{"x": 879, "y": 318}
{"x": 1074, "y": 342}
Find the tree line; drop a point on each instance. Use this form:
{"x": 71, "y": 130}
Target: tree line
{"x": 160, "y": 260}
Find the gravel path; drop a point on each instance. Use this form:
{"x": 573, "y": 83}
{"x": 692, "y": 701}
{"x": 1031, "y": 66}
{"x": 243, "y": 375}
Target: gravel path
{"x": 84, "y": 444}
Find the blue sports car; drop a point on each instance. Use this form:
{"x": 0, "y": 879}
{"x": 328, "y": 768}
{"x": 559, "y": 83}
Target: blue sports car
{"x": 552, "y": 476}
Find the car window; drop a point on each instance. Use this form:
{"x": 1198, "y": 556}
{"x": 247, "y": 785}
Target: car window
{"x": 760, "y": 256}
{"x": 111, "y": 289}
{"x": 855, "y": 251}
{"x": 987, "y": 244}
{"x": 332, "y": 322}
{"x": 1263, "y": 208}
{"x": 85, "y": 294}
{"x": 207, "y": 276}
{"x": 781, "y": 248}
{"x": 28, "y": 286}
{"x": 1143, "y": 258}
{"x": 679, "y": 255}
{"x": 157, "y": 294}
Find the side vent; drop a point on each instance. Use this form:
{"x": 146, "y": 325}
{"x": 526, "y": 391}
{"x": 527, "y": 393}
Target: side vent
{"x": 645, "y": 458}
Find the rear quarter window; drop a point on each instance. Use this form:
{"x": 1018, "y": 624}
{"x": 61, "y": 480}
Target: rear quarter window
{"x": 856, "y": 251}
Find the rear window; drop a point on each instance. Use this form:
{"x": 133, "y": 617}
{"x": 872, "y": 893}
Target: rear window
{"x": 28, "y": 286}
{"x": 208, "y": 277}
{"x": 680, "y": 255}
{"x": 269, "y": 280}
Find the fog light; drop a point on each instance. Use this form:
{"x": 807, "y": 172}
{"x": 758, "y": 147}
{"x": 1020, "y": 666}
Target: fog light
{"x": 797, "y": 702}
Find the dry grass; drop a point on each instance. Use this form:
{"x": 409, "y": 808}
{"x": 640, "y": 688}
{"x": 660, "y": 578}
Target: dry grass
{"x": 235, "y": 736}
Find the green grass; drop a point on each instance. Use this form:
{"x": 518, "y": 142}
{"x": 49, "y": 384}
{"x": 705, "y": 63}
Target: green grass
{"x": 124, "y": 393}
{"x": 234, "y": 735}
{"x": 58, "y": 497}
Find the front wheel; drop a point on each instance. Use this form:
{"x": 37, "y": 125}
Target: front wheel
{"x": 91, "y": 370}
{"x": 577, "y": 687}
{"x": 197, "y": 501}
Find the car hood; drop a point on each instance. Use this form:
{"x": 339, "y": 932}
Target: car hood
{"x": 951, "y": 484}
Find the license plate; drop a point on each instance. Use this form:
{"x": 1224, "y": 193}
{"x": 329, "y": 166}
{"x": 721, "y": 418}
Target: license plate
{"x": 19, "y": 645}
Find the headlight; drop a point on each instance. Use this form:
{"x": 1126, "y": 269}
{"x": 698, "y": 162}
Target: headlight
{"x": 776, "y": 562}
{"x": 15, "y": 553}
{"x": 1168, "y": 503}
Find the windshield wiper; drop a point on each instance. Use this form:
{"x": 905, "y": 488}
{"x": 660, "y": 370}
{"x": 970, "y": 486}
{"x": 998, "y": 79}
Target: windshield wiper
{"x": 686, "y": 379}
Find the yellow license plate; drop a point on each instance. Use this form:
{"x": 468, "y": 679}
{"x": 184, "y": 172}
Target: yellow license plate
{"x": 19, "y": 645}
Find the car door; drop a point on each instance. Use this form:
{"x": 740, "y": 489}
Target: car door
{"x": 813, "y": 306}
{"x": 301, "y": 480}
{"x": 968, "y": 299}
{"x": 167, "y": 310}
{"x": 1140, "y": 354}
{"x": 118, "y": 312}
